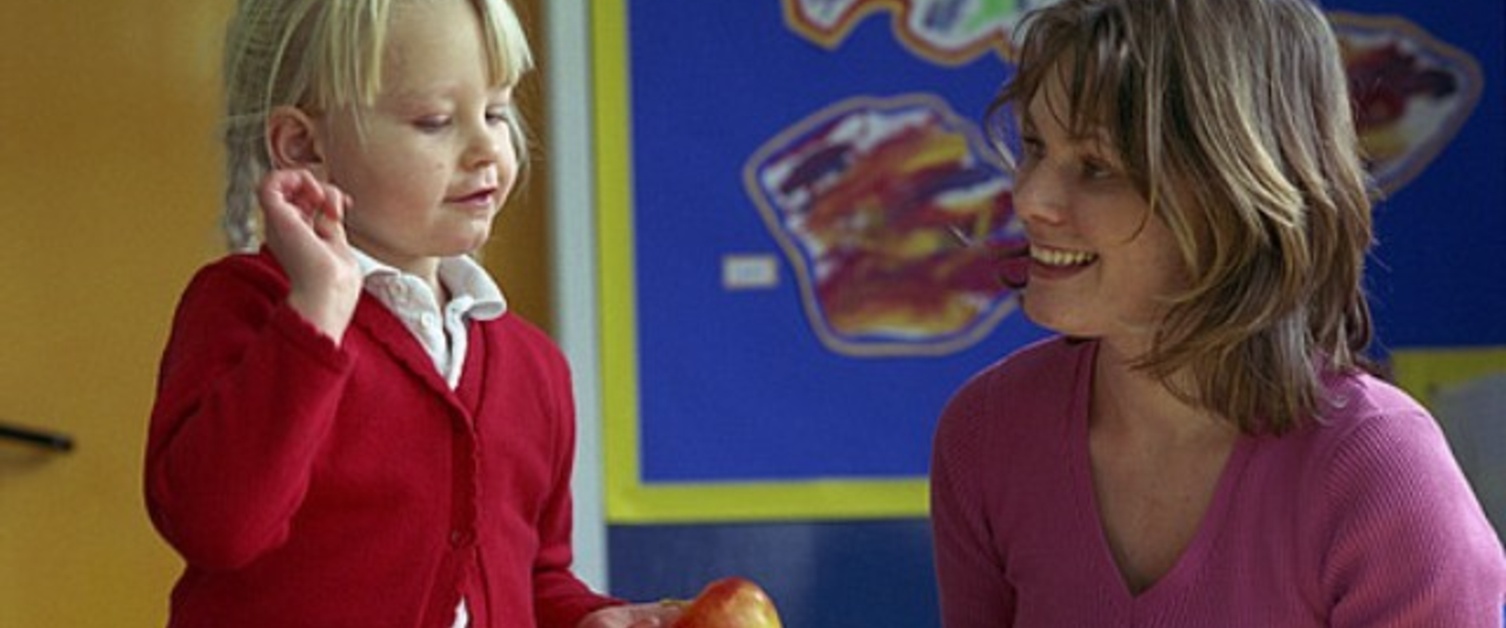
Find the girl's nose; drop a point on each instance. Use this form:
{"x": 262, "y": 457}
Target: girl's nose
{"x": 484, "y": 146}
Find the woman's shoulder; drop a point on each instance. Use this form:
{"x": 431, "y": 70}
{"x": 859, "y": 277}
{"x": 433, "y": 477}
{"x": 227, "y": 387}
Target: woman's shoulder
{"x": 1385, "y": 474}
{"x": 1033, "y": 366}
{"x": 1038, "y": 380}
{"x": 1374, "y": 437}
{"x": 1358, "y": 403}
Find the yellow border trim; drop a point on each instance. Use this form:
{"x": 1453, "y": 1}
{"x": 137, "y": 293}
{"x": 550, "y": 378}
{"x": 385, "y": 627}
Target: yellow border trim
{"x": 1424, "y": 371}
{"x": 768, "y": 501}
{"x": 628, "y": 499}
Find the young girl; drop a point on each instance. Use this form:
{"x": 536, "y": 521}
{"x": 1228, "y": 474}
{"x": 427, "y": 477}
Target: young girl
{"x": 349, "y": 429}
{"x": 1201, "y": 446}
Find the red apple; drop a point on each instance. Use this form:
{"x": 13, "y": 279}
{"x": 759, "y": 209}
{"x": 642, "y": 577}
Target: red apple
{"x": 730, "y": 603}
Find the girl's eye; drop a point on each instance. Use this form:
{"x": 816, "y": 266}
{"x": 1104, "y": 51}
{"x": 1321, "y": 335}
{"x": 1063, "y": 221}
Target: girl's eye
{"x": 431, "y": 124}
{"x": 501, "y": 111}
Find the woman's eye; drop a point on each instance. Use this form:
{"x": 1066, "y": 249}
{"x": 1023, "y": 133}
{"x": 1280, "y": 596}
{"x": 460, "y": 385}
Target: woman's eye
{"x": 1096, "y": 169}
{"x": 497, "y": 116}
{"x": 1032, "y": 149}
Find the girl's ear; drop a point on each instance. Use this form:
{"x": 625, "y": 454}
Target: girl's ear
{"x": 293, "y": 141}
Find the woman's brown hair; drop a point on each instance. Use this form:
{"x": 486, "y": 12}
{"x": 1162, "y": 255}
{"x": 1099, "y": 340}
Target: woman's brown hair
{"x": 1234, "y": 121}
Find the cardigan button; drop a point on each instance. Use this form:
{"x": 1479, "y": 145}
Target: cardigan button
{"x": 459, "y": 537}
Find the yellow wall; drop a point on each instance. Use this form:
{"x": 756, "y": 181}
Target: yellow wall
{"x": 109, "y": 184}
{"x": 107, "y": 197}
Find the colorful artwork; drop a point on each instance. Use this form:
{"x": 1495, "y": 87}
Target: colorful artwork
{"x": 863, "y": 213}
{"x": 1412, "y": 92}
{"x": 893, "y": 214}
{"x": 946, "y": 32}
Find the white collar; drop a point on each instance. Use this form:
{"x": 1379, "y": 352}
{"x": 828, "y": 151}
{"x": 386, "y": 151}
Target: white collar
{"x": 471, "y": 288}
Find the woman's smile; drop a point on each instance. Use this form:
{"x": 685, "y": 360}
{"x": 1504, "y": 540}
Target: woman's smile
{"x": 1055, "y": 263}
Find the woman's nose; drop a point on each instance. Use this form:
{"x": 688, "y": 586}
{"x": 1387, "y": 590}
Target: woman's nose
{"x": 1039, "y": 195}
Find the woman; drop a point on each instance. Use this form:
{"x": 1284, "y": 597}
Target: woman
{"x": 1201, "y": 445}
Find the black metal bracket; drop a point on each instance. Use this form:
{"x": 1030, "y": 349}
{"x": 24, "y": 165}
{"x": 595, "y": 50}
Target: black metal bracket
{"x": 54, "y": 441}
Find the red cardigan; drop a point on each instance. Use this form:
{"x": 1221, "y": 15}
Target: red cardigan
{"x": 307, "y": 484}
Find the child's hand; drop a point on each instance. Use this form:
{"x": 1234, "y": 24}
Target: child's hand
{"x": 305, "y": 230}
{"x": 633, "y": 616}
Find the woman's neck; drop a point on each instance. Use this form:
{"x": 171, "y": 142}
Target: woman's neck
{"x": 1131, "y": 401}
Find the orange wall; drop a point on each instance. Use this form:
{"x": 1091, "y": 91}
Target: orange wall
{"x": 109, "y": 184}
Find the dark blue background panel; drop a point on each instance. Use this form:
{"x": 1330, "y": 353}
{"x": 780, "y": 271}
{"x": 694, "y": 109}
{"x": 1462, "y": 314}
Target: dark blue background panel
{"x": 1437, "y": 278}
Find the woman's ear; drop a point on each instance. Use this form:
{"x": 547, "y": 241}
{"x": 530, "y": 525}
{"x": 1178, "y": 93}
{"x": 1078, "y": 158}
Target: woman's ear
{"x": 293, "y": 140}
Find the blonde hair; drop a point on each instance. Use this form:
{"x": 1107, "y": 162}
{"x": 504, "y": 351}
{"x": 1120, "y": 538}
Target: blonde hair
{"x": 1233, "y": 119}
{"x": 319, "y": 55}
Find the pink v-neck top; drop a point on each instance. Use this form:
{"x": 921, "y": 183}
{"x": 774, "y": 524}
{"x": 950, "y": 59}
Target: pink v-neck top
{"x": 1362, "y": 520}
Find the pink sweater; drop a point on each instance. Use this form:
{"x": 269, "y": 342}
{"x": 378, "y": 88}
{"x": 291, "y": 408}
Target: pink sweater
{"x": 1365, "y": 520}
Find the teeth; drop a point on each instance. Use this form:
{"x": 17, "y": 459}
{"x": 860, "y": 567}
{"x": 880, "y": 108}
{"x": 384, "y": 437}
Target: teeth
{"x": 1060, "y": 257}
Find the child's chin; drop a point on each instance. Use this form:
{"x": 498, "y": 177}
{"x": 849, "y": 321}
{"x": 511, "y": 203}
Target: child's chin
{"x": 470, "y": 245}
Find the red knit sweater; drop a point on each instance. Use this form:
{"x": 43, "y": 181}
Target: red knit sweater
{"x": 307, "y": 484}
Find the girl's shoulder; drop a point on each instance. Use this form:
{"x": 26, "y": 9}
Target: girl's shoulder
{"x": 516, "y": 338}
{"x": 236, "y": 282}
{"x": 259, "y": 269}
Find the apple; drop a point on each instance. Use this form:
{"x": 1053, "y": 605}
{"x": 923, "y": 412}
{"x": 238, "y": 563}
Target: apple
{"x": 730, "y": 602}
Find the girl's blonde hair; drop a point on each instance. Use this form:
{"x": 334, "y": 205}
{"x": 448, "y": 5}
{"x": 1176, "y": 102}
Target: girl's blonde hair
{"x": 319, "y": 55}
{"x": 1233, "y": 119}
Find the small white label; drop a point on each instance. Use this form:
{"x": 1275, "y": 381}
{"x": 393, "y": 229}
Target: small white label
{"x": 749, "y": 272}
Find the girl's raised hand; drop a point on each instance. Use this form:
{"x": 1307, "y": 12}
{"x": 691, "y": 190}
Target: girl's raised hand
{"x": 305, "y": 230}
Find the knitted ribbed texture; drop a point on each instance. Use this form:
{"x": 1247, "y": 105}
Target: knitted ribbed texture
{"x": 1362, "y": 520}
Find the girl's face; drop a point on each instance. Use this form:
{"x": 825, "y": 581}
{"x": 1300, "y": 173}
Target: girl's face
{"x": 437, "y": 161}
{"x": 1101, "y": 263}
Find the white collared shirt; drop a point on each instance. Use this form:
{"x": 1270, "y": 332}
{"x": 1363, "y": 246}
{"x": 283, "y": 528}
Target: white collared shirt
{"x": 442, "y": 331}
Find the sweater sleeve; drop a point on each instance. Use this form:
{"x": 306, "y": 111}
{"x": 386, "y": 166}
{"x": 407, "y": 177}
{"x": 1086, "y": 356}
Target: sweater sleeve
{"x": 561, "y": 599}
{"x": 246, "y": 394}
{"x": 1409, "y": 544}
{"x": 974, "y": 592}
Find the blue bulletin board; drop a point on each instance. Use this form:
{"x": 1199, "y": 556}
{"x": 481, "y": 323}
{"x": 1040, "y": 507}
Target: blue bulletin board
{"x": 799, "y": 214}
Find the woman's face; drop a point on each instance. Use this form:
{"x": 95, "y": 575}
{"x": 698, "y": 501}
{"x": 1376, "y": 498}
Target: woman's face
{"x": 1101, "y": 263}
